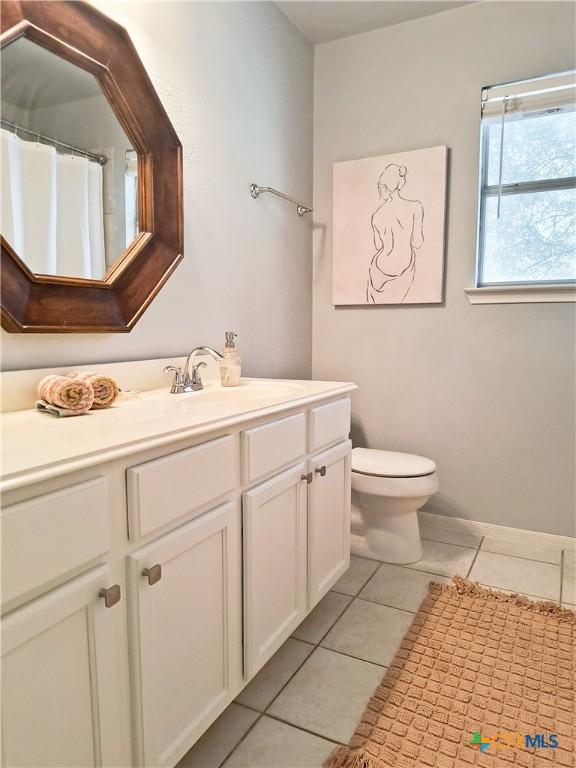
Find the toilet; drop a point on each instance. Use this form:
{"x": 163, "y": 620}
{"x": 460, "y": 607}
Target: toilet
{"x": 388, "y": 489}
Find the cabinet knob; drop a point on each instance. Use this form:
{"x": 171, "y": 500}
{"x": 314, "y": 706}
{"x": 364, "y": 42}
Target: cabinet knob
{"x": 111, "y": 595}
{"x": 153, "y": 574}
{"x": 309, "y": 477}
{"x": 321, "y": 470}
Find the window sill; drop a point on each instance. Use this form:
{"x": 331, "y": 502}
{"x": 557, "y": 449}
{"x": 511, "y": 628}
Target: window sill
{"x": 522, "y": 294}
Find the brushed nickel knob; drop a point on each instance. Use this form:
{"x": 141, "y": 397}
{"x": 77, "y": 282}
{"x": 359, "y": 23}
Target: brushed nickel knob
{"x": 111, "y": 595}
{"x": 321, "y": 470}
{"x": 153, "y": 574}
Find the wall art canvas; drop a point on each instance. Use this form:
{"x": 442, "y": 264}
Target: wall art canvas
{"x": 388, "y": 228}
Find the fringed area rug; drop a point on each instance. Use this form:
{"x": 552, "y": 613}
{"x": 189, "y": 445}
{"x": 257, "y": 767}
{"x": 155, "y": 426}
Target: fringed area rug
{"x": 481, "y": 679}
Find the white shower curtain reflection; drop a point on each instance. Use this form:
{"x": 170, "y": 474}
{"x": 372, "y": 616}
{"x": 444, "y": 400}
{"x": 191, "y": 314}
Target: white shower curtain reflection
{"x": 52, "y": 209}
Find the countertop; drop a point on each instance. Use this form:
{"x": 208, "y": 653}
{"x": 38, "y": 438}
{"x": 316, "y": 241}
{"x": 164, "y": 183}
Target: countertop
{"x": 37, "y": 446}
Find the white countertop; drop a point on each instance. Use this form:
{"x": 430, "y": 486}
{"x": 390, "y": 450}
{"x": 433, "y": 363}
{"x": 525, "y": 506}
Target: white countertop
{"x": 37, "y": 446}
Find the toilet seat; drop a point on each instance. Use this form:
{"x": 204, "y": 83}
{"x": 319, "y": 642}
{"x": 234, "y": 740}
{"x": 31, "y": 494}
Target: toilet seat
{"x": 375, "y": 463}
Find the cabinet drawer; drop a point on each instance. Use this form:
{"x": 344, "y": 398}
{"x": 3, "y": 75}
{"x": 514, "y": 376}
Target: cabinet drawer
{"x": 272, "y": 446}
{"x": 164, "y": 489}
{"x": 51, "y": 535}
{"x": 329, "y": 423}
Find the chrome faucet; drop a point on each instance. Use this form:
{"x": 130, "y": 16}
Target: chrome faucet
{"x": 190, "y": 380}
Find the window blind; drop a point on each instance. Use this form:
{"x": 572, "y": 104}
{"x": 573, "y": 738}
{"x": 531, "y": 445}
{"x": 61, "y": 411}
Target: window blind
{"x": 530, "y": 95}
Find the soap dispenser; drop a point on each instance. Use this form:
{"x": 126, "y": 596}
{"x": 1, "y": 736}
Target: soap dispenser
{"x": 231, "y": 363}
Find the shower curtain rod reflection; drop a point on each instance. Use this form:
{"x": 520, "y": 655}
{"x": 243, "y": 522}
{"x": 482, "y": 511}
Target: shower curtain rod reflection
{"x": 102, "y": 159}
{"x": 301, "y": 209}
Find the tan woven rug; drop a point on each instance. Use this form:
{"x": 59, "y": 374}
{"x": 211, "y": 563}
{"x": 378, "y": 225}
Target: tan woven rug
{"x": 475, "y": 666}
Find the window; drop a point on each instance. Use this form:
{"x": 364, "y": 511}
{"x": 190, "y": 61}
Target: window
{"x": 527, "y": 210}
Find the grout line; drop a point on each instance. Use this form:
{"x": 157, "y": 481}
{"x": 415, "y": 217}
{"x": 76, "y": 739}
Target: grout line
{"x": 246, "y": 706}
{"x": 475, "y": 556}
{"x": 357, "y": 658}
{"x": 386, "y": 605}
{"x": 451, "y": 543}
{"x": 298, "y": 668}
{"x": 355, "y": 594}
{"x": 298, "y": 640}
{"x": 519, "y": 557}
{"x": 421, "y": 570}
{"x": 378, "y": 568}
{"x": 235, "y": 747}
{"x": 410, "y": 567}
{"x": 301, "y": 728}
{"x": 336, "y": 620}
{"x": 503, "y": 554}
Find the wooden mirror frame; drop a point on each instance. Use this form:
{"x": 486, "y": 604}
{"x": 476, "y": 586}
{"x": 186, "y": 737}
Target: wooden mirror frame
{"x": 33, "y": 303}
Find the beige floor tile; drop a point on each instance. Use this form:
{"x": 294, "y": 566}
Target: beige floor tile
{"x": 517, "y": 575}
{"x": 220, "y": 739}
{"x": 275, "y": 674}
{"x": 399, "y": 587}
{"x": 444, "y": 559}
{"x": 522, "y": 549}
{"x": 369, "y": 631}
{"x": 569, "y": 584}
{"x": 315, "y": 626}
{"x": 272, "y": 744}
{"x": 328, "y": 694}
{"x": 356, "y": 576}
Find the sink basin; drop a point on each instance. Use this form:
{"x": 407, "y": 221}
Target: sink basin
{"x": 252, "y": 391}
{"x": 247, "y": 392}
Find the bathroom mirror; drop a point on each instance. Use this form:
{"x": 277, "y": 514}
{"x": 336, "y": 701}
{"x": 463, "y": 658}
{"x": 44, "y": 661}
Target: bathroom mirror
{"x": 91, "y": 198}
{"x": 69, "y": 172}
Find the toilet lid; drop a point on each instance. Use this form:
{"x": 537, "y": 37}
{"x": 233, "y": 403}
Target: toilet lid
{"x": 368, "y": 461}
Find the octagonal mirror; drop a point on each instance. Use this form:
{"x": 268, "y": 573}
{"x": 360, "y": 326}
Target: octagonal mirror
{"x": 91, "y": 170}
{"x": 69, "y": 172}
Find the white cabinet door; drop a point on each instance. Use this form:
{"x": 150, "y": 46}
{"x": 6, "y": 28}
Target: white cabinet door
{"x": 185, "y": 629}
{"x": 328, "y": 519}
{"x": 60, "y": 678}
{"x": 274, "y": 564}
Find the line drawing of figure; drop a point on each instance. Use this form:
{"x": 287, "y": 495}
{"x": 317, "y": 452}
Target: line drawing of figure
{"x": 398, "y": 230}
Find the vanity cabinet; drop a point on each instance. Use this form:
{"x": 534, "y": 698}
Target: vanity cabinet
{"x": 59, "y": 670}
{"x": 275, "y": 546}
{"x": 328, "y": 519}
{"x": 216, "y": 547}
{"x": 185, "y": 633}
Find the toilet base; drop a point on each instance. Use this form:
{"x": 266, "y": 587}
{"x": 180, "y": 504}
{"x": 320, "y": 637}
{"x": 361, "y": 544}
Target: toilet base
{"x": 360, "y": 547}
{"x": 386, "y": 531}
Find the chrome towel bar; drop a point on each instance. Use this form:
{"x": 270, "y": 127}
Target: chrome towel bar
{"x": 301, "y": 209}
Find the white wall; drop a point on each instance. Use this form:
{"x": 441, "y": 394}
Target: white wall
{"x": 487, "y": 391}
{"x": 236, "y": 81}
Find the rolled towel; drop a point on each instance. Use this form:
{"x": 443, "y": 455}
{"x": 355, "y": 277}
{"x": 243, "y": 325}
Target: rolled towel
{"x": 73, "y": 395}
{"x": 105, "y": 389}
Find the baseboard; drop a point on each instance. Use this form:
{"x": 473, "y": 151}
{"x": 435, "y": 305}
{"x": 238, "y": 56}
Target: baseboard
{"x": 430, "y": 521}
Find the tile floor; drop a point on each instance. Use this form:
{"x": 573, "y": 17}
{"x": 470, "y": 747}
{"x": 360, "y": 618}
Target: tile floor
{"x": 311, "y": 694}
